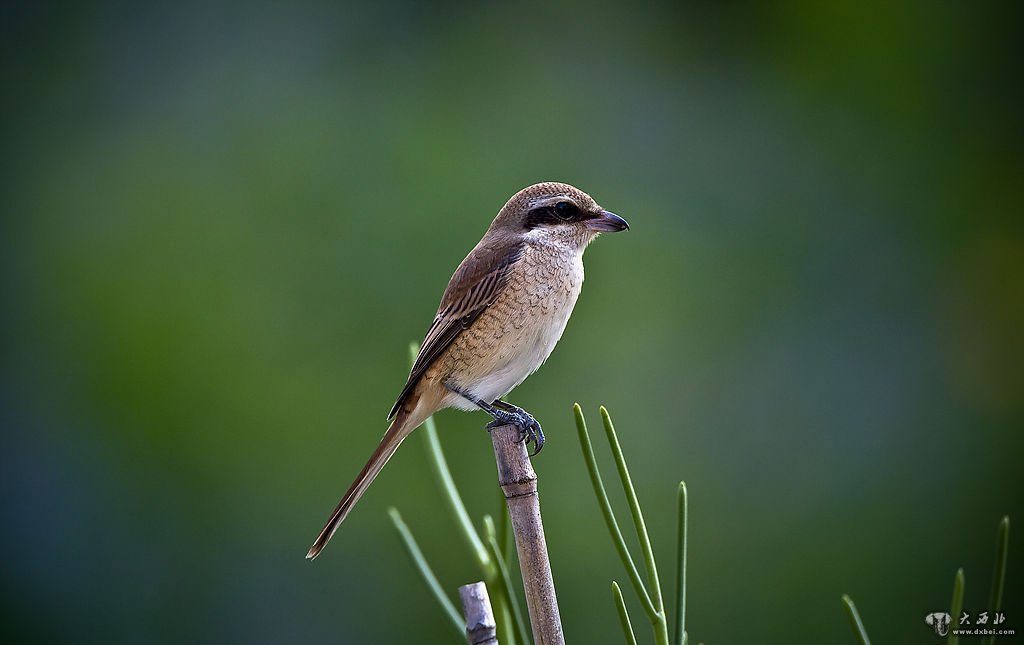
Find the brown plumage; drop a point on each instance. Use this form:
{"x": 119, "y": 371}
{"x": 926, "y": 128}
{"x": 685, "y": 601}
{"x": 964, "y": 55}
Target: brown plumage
{"x": 501, "y": 315}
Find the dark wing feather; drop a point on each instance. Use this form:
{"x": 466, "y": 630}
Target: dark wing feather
{"x": 473, "y": 287}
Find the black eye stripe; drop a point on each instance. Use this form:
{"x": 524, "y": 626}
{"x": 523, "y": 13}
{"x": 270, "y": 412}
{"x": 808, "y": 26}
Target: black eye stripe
{"x": 542, "y": 216}
{"x": 558, "y": 213}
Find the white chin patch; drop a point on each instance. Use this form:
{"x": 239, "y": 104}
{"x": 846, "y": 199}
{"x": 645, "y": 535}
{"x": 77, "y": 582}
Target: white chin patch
{"x": 563, "y": 236}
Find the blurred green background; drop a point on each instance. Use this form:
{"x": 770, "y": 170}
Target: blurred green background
{"x": 222, "y": 225}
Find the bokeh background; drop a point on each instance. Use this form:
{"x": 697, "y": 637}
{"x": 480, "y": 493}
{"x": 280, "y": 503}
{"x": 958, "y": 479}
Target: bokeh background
{"x": 222, "y": 225}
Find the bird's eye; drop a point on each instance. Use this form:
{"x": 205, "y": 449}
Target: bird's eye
{"x": 565, "y": 210}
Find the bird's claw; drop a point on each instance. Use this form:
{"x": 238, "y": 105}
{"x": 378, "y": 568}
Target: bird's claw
{"x": 529, "y": 428}
{"x": 534, "y": 433}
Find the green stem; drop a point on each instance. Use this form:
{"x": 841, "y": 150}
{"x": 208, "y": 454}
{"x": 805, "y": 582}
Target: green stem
{"x": 500, "y": 598}
{"x": 995, "y": 598}
{"x": 504, "y": 525}
{"x": 682, "y": 511}
{"x": 855, "y": 622}
{"x": 609, "y": 516}
{"x": 505, "y": 580}
{"x": 443, "y": 475}
{"x": 641, "y": 528}
{"x": 957, "y": 605}
{"x": 420, "y": 562}
{"x": 620, "y": 604}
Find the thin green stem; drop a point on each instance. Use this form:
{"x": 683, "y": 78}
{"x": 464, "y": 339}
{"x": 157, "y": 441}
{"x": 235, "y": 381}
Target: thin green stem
{"x": 443, "y": 475}
{"x": 505, "y": 559}
{"x": 682, "y": 511}
{"x": 609, "y": 516}
{"x": 855, "y": 622}
{"x": 506, "y": 630}
{"x": 504, "y": 525}
{"x": 505, "y": 580}
{"x": 500, "y": 598}
{"x": 641, "y": 527}
{"x": 956, "y": 606}
{"x": 995, "y": 598}
{"x": 420, "y": 562}
{"x": 620, "y": 604}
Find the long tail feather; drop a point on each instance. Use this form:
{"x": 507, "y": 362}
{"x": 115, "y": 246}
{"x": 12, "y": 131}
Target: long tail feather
{"x": 396, "y": 433}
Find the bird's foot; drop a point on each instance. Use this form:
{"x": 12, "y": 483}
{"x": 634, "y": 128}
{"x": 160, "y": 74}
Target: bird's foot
{"x": 506, "y": 413}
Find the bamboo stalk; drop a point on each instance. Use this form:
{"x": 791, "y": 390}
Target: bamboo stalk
{"x": 519, "y": 483}
{"x": 481, "y": 628}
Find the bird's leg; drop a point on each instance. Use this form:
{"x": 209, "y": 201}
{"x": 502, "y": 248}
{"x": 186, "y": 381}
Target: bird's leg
{"x": 529, "y": 425}
{"x": 505, "y": 414}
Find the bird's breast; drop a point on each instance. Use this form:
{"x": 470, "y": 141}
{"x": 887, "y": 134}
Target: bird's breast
{"x": 517, "y": 333}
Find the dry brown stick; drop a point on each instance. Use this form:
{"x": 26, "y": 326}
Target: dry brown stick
{"x": 481, "y": 628}
{"x": 519, "y": 482}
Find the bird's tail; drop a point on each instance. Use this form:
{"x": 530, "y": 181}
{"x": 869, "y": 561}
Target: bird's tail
{"x": 403, "y": 424}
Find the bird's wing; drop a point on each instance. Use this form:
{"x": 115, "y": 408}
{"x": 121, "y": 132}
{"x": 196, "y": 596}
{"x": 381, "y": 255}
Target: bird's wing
{"x": 473, "y": 287}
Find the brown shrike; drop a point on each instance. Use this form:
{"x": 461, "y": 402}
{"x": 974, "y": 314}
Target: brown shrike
{"x": 500, "y": 317}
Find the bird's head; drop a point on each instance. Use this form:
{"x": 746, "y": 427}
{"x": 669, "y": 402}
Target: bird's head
{"x": 555, "y": 213}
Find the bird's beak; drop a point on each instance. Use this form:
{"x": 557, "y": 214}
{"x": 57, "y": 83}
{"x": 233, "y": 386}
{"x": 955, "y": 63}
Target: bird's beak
{"x": 607, "y": 222}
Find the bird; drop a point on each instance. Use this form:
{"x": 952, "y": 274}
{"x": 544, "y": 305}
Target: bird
{"x": 500, "y": 317}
